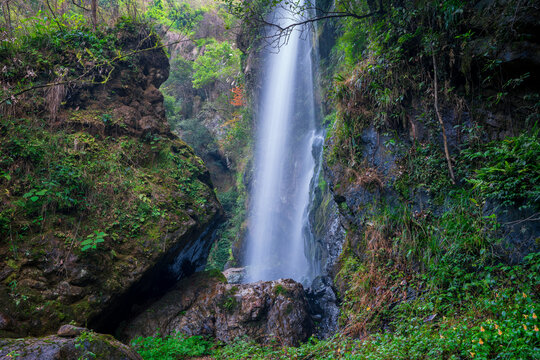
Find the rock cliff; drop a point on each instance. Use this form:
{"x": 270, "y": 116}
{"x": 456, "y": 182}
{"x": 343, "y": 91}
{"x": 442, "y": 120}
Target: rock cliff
{"x": 102, "y": 206}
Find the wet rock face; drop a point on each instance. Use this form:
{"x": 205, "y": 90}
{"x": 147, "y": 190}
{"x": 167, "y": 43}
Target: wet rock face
{"x": 323, "y": 306}
{"x": 206, "y": 305}
{"x": 519, "y": 231}
{"x": 70, "y": 343}
{"x": 235, "y": 275}
{"x": 372, "y": 179}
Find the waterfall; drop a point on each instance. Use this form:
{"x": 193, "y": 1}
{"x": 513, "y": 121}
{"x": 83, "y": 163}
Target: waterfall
{"x": 288, "y": 136}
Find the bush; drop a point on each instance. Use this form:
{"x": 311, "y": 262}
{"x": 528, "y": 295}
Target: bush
{"x": 220, "y": 61}
{"x": 171, "y": 347}
{"x": 511, "y": 172}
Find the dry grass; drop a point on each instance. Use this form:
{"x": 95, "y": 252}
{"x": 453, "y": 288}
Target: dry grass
{"x": 370, "y": 285}
{"x": 365, "y": 177}
{"x": 54, "y": 96}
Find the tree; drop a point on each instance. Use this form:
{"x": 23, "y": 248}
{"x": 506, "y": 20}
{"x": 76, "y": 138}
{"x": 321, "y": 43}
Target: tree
{"x": 219, "y": 62}
{"x": 256, "y": 14}
{"x": 94, "y": 14}
{"x": 7, "y": 17}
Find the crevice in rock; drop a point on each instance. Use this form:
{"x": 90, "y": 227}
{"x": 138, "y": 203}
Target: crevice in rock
{"x": 182, "y": 261}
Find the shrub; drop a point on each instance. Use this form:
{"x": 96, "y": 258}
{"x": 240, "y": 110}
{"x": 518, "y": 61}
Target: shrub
{"x": 511, "y": 172}
{"x": 171, "y": 347}
{"x": 220, "y": 61}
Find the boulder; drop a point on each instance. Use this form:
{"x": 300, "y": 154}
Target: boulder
{"x": 235, "y": 275}
{"x": 205, "y": 304}
{"x": 86, "y": 345}
{"x": 323, "y": 306}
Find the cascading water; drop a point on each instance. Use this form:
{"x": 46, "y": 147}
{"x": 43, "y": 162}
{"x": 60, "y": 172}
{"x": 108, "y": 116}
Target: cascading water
{"x": 287, "y": 138}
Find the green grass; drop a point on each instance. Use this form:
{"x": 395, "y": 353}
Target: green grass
{"x": 173, "y": 347}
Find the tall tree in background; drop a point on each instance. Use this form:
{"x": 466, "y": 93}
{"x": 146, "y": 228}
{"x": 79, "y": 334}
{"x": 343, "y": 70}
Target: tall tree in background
{"x": 7, "y": 17}
{"x": 94, "y": 14}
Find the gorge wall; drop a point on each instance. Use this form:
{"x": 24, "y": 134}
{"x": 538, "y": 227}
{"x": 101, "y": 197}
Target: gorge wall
{"x": 103, "y": 207}
{"x": 453, "y": 77}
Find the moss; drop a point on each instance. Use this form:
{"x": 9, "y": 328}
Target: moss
{"x": 229, "y": 303}
{"x": 155, "y": 232}
{"x": 85, "y": 116}
{"x": 12, "y": 264}
{"x": 65, "y": 180}
{"x": 216, "y": 274}
{"x": 82, "y": 309}
{"x": 280, "y": 290}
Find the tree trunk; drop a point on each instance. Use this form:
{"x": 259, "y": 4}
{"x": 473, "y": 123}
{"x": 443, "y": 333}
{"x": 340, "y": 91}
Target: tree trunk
{"x": 445, "y": 141}
{"x": 7, "y": 18}
{"x": 94, "y": 14}
{"x": 115, "y": 10}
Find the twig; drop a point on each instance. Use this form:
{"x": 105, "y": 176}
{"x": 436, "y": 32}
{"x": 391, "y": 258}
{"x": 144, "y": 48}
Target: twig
{"x": 79, "y": 5}
{"x": 54, "y": 17}
{"x": 530, "y": 218}
{"x": 445, "y": 141}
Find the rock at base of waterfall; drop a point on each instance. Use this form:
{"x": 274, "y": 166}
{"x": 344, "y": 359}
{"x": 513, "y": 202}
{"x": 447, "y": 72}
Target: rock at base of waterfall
{"x": 323, "y": 306}
{"x": 70, "y": 343}
{"x": 235, "y": 275}
{"x": 205, "y": 304}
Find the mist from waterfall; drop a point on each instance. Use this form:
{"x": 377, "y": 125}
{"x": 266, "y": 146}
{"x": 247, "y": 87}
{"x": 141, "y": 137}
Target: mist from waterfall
{"x": 287, "y": 138}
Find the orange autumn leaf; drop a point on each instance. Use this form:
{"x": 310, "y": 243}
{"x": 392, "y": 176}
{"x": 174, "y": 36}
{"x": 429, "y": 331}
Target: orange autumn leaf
{"x": 238, "y": 96}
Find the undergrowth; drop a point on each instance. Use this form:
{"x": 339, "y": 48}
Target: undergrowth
{"x": 498, "y": 320}
{"x": 76, "y": 185}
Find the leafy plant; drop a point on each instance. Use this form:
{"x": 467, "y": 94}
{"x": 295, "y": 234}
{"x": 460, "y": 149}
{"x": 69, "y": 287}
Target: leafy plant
{"x": 171, "y": 347}
{"x": 220, "y": 61}
{"x": 34, "y": 195}
{"x": 509, "y": 171}
{"x": 92, "y": 240}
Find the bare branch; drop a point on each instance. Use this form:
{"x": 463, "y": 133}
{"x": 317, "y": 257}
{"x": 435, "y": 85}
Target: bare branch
{"x": 80, "y": 6}
{"x": 283, "y": 32}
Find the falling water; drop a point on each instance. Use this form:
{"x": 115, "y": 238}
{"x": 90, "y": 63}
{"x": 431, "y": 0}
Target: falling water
{"x": 287, "y": 138}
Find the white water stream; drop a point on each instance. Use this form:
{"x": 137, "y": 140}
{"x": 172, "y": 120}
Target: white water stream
{"x": 287, "y": 131}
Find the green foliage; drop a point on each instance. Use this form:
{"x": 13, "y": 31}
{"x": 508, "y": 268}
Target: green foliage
{"x": 171, "y": 347}
{"x": 233, "y": 203}
{"x": 229, "y": 303}
{"x": 198, "y": 135}
{"x": 280, "y": 290}
{"x": 15, "y": 294}
{"x": 61, "y": 50}
{"x": 178, "y": 90}
{"x": 509, "y": 170}
{"x": 176, "y": 15}
{"x": 350, "y": 44}
{"x": 445, "y": 254}
{"x": 111, "y": 181}
{"x": 424, "y": 168}
{"x": 219, "y": 62}
{"x": 34, "y": 195}
{"x": 83, "y": 342}
{"x": 92, "y": 240}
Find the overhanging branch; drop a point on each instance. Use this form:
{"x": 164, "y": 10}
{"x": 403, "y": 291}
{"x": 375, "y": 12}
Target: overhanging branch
{"x": 80, "y": 79}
